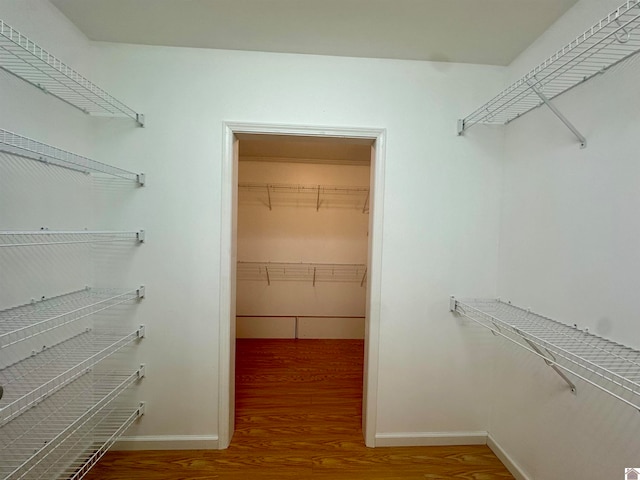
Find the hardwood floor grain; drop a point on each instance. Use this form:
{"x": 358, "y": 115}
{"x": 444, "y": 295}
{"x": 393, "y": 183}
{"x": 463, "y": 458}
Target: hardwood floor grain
{"x": 299, "y": 415}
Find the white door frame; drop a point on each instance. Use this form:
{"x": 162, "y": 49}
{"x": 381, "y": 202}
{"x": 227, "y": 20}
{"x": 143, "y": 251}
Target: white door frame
{"x": 226, "y": 387}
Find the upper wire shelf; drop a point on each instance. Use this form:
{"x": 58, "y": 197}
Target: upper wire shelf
{"x": 21, "y": 323}
{"x": 26, "y": 147}
{"x": 28, "y": 382}
{"x": 609, "y": 366}
{"x": 27, "y": 60}
{"x": 302, "y": 272}
{"x": 608, "y": 42}
{"x": 270, "y": 194}
{"x": 68, "y": 432}
{"x": 65, "y": 237}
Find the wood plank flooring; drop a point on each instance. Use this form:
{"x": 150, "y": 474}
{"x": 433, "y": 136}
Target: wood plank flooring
{"x": 298, "y": 415}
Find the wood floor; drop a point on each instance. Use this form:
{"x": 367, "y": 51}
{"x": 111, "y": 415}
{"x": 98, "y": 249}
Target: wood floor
{"x": 298, "y": 415}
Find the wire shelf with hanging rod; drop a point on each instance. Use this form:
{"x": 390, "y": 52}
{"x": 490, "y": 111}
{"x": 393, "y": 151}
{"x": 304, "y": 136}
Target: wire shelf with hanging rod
{"x": 68, "y": 432}
{"x": 610, "y": 41}
{"x": 27, "y": 60}
{"x": 66, "y": 237}
{"x": 316, "y": 196}
{"x": 604, "y": 364}
{"x": 312, "y": 273}
{"x": 32, "y": 149}
{"x": 47, "y": 314}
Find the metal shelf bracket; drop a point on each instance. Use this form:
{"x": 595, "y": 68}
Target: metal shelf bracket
{"x": 557, "y": 113}
{"x": 551, "y": 364}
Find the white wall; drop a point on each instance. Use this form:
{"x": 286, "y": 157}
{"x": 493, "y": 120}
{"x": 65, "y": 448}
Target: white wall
{"x": 295, "y": 231}
{"x": 569, "y": 249}
{"x": 440, "y": 231}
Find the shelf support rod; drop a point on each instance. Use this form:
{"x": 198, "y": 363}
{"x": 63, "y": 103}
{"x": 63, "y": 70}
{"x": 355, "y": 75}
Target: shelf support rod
{"x": 266, "y": 269}
{"x": 318, "y": 200}
{"x": 366, "y": 203}
{"x": 563, "y": 119}
{"x": 269, "y": 195}
{"x": 551, "y": 364}
{"x": 364, "y": 277}
{"x": 314, "y": 276}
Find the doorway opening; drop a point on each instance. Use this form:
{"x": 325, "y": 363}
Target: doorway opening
{"x": 301, "y": 251}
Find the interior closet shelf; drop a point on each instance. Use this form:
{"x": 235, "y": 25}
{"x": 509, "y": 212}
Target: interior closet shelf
{"x": 608, "y": 42}
{"x": 70, "y": 430}
{"x": 28, "y": 61}
{"x": 26, "y": 321}
{"x": 609, "y": 366}
{"x": 66, "y": 237}
{"x": 26, "y": 147}
{"x": 270, "y": 194}
{"x": 29, "y": 381}
{"x": 302, "y": 272}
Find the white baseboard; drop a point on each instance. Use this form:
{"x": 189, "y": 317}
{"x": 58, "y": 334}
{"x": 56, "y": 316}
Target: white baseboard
{"x": 508, "y": 462}
{"x": 428, "y": 439}
{"x": 168, "y": 442}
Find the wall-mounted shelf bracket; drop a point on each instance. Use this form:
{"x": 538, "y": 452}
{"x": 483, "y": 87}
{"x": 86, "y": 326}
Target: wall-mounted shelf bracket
{"x": 461, "y": 126}
{"x": 141, "y": 331}
{"x": 142, "y": 370}
{"x": 140, "y": 119}
{"x": 557, "y": 113}
{"x": 551, "y": 364}
{"x": 140, "y": 292}
{"x": 141, "y": 178}
{"x": 140, "y": 236}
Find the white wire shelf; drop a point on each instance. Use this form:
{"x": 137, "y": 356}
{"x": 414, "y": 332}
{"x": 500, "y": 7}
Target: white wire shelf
{"x": 26, "y": 147}
{"x": 26, "y": 321}
{"x": 608, "y": 42}
{"x": 272, "y": 194}
{"x": 302, "y": 272}
{"x": 66, "y": 237}
{"x": 609, "y": 366}
{"x": 28, "y": 382}
{"x": 28, "y": 61}
{"x": 67, "y": 433}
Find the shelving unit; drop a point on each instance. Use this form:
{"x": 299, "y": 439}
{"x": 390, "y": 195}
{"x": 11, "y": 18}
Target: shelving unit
{"x": 26, "y": 147}
{"x": 70, "y": 430}
{"x": 30, "y": 62}
{"x": 609, "y": 366}
{"x": 21, "y": 323}
{"x": 302, "y": 272}
{"x": 63, "y": 397}
{"x": 610, "y": 41}
{"x": 272, "y": 194}
{"x": 64, "y": 237}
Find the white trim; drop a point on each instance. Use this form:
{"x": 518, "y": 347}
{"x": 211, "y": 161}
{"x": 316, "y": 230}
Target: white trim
{"x": 225, "y": 387}
{"x": 167, "y": 442}
{"x": 429, "y": 439}
{"x": 506, "y": 459}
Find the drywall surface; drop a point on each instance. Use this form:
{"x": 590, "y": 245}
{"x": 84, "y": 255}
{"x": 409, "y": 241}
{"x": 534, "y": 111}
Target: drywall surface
{"x": 302, "y": 228}
{"x": 440, "y": 229}
{"x": 569, "y": 250}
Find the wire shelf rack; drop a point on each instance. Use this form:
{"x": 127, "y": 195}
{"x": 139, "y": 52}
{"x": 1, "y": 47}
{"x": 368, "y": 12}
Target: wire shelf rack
{"x": 608, "y": 42}
{"x": 67, "y": 433}
{"x": 302, "y": 272}
{"x": 65, "y": 237}
{"x": 26, "y": 321}
{"x": 271, "y": 194}
{"x": 29, "y": 381}
{"x": 609, "y": 366}
{"x": 28, "y": 61}
{"x": 26, "y": 147}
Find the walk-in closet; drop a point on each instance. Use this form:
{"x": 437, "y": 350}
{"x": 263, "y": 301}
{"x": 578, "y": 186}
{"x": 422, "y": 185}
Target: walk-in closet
{"x": 305, "y": 239}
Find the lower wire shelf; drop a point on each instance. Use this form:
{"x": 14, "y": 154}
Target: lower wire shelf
{"x": 67, "y": 433}
{"x": 606, "y": 365}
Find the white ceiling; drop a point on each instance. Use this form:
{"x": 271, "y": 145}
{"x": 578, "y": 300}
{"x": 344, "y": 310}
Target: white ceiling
{"x": 490, "y": 32}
